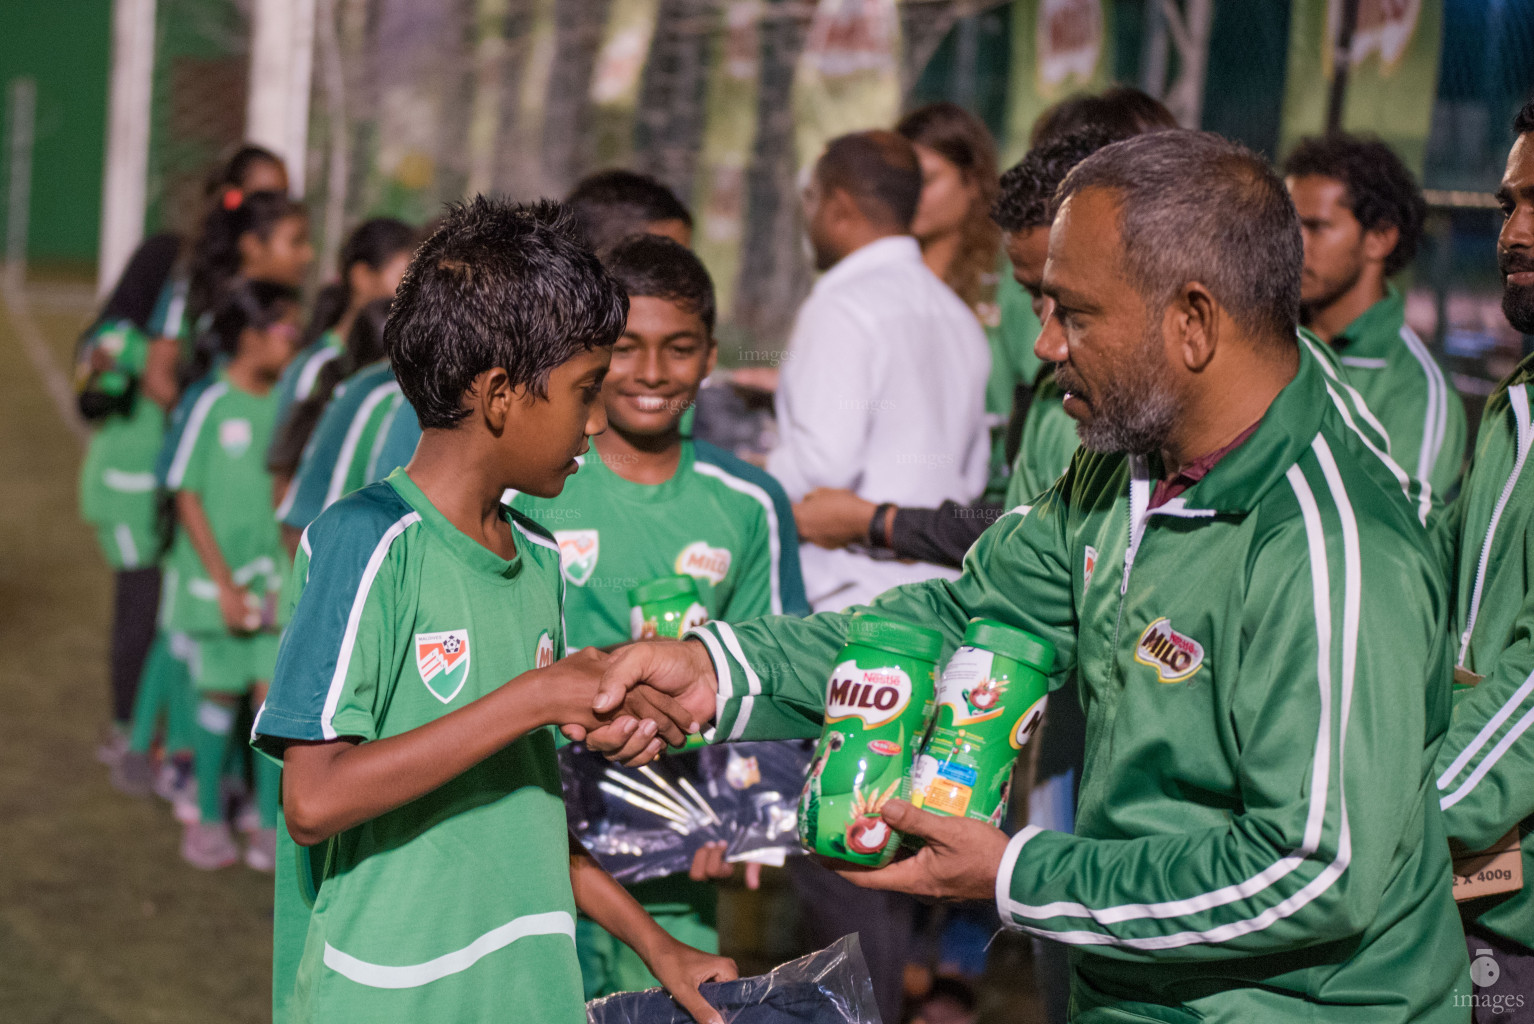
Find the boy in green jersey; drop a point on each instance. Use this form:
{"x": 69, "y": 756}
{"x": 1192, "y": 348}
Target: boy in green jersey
{"x": 421, "y": 786}
{"x": 650, "y": 502}
{"x": 225, "y": 565}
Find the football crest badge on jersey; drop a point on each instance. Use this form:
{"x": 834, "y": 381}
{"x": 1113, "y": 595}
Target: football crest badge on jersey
{"x": 443, "y": 660}
{"x": 578, "y": 554}
{"x": 234, "y": 436}
{"x": 1174, "y": 656}
{"x": 545, "y": 654}
{"x": 698, "y": 559}
{"x": 1089, "y": 566}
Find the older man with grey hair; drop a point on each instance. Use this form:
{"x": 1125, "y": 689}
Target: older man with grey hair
{"x": 1252, "y": 615}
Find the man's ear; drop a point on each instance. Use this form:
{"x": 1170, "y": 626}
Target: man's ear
{"x": 1380, "y": 242}
{"x": 492, "y": 399}
{"x": 1195, "y": 318}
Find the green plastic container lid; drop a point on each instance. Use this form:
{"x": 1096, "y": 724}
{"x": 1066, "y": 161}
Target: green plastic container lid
{"x": 897, "y": 637}
{"x": 1011, "y": 642}
{"x": 663, "y": 589}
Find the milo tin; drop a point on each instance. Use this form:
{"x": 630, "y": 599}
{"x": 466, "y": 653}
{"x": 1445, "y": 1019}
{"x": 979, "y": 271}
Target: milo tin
{"x": 991, "y": 698}
{"x": 665, "y": 607}
{"x": 878, "y": 703}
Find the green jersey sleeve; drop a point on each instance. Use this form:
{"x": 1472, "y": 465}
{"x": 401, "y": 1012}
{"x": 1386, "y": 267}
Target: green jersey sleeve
{"x": 1303, "y": 859}
{"x": 338, "y": 652}
{"x": 770, "y": 582}
{"x": 772, "y": 671}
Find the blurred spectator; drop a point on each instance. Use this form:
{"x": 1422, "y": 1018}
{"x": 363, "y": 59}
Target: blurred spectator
{"x": 883, "y": 389}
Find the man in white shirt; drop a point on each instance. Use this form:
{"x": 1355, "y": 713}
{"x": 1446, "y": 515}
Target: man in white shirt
{"x": 883, "y": 388}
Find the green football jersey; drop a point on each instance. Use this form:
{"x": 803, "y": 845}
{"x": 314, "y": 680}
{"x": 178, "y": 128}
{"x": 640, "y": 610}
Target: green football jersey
{"x": 458, "y": 902}
{"x": 1417, "y": 405}
{"x": 221, "y": 457}
{"x": 297, "y": 381}
{"x": 718, "y": 519}
{"x": 1264, "y": 666}
{"x": 336, "y": 459}
{"x": 118, "y": 487}
{"x": 1013, "y": 362}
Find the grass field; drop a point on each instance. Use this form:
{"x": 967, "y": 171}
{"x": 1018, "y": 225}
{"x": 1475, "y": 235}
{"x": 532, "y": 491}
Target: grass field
{"x": 100, "y": 921}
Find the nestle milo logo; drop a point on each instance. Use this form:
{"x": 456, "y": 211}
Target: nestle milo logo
{"x": 1175, "y": 657}
{"x": 877, "y": 696}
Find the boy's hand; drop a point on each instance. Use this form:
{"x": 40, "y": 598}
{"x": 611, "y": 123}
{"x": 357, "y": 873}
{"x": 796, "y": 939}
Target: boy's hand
{"x": 234, "y": 606}
{"x": 709, "y": 865}
{"x": 832, "y": 518}
{"x": 679, "y": 691}
{"x": 682, "y": 969}
{"x": 570, "y": 685}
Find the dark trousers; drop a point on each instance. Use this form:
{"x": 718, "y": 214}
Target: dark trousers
{"x": 1508, "y": 970}
{"x": 135, "y": 606}
{"x": 830, "y": 907}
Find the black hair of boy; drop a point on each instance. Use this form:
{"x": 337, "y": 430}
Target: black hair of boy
{"x": 1026, "y": 199}
{"x": 649, "y": 266}
{"x": 498, "y": 284}
{"x": 250, "y": 305}
{"x": 1378, "y": 189}
{"x": 609, "y": 206}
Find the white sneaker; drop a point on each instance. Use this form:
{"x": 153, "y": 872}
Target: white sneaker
{"x": 183, "y": 802}
{"x": 261, "y": 850}
{"x": 209, "y": 847}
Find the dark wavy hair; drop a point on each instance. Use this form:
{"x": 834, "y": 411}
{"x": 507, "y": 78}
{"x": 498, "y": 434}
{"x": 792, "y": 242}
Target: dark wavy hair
{"x": 498, "y": 284}
{"x": 1028, "y": 189}
{"x": 1120, "y": 108}
{"x": 249, "y": 305}
{"x": 1378, "y": 188}
{"x": 374, "y": 243}
{"x": 216, "y": 257}
{"x": 650, "y": 266}
{"x": 963, "y": 140}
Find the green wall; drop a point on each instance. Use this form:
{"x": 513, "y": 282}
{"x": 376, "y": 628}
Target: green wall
{"x": 66, "y": 46}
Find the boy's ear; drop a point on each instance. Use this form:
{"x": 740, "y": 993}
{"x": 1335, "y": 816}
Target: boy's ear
{"x": 492, "y": 398}
{"x": 713, "y": 356}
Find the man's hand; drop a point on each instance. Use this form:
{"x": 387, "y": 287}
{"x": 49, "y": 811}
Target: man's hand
{"x": 959, "y": 862}
{"x": 676, "y": 699}
{"x": 682, "y": 969}
{"x": 832, "y": 518}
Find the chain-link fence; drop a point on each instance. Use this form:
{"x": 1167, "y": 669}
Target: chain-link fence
{"x": 417, "y": 102}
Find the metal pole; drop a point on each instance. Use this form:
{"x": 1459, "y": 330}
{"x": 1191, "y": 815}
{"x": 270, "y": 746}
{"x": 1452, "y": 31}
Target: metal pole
{"x": 281, "y": 67}
{"x": 1341, "y": 62}
{"x": 22, "y": 107}
{"x": 124, "y": 180}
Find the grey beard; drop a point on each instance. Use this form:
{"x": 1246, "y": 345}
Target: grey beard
{"x": 1134, "y": 423}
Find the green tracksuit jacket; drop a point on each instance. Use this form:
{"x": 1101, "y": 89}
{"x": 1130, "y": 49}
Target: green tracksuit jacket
{"x": 1265, "y": 668}
{"x": 1390, "y": 366}
{"x": 1486, "y": 765}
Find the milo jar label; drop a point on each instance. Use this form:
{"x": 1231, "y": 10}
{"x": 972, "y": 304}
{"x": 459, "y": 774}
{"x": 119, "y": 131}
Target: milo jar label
{"x": 665, "y": 607}
{"x": 878, "y": 702}
{"x": 991, "y": 700}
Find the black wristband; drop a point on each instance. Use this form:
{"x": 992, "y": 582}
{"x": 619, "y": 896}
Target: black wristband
{"x": 877, "y": 537}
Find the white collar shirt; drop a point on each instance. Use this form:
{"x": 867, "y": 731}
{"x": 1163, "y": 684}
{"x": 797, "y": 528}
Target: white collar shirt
{"x": 882, "y": 393}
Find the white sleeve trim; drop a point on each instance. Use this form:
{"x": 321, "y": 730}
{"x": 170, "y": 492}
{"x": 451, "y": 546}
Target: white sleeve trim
{"x": 726, "y": 684}
{"x": 1008, "y": 866}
